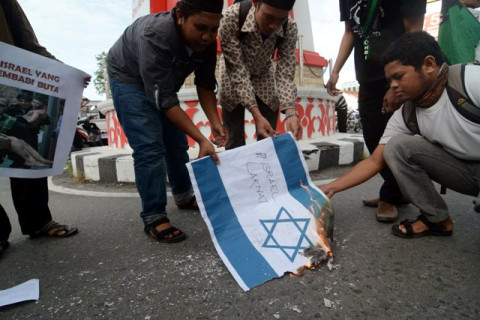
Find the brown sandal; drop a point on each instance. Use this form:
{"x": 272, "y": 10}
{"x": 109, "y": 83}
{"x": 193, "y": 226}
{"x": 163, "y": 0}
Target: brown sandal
{"x": 57, "y": 231}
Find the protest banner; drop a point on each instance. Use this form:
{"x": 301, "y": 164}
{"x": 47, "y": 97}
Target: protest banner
{"x": 39, "y": 103}
{"x": 262, "y": 210}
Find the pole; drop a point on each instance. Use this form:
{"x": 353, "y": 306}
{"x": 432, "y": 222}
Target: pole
{"x": 300, "y": 57}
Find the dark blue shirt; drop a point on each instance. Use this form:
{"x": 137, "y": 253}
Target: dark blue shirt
{"x": 152, "y": 54}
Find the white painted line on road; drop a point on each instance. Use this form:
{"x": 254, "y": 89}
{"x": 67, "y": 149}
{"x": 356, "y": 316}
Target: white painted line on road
{"x": 53, "y": 187}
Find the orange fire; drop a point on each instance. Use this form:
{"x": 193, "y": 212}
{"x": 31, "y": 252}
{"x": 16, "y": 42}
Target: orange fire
{"x": 318, "y": 216}
{"x": 322, "y": 252}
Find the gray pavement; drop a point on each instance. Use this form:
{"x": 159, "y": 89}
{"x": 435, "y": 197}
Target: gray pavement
{"x": 112, "y": 270}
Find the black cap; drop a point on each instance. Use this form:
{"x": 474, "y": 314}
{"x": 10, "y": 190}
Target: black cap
{"x": 280, "y": 4}
{"x": 212, "y": 6}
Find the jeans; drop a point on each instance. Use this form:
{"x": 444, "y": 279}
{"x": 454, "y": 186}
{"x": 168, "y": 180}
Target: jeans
{"x": 158, "y": 147}
{"x": 370, "y": 100}
{"x": 234, "y": 122}
{"x": 415, "y": 162}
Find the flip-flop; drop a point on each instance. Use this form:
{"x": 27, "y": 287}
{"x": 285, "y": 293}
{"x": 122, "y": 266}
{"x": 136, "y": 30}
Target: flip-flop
{"x": 434, "y": 229}
{"x": 59, "y": 228}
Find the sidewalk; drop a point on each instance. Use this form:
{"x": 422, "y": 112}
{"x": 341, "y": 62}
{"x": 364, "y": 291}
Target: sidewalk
{"x": 110, "y": 165}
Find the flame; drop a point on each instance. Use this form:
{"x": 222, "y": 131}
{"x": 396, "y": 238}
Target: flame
{"x": 318, "y": 216}
{"x": 322, "y": 252}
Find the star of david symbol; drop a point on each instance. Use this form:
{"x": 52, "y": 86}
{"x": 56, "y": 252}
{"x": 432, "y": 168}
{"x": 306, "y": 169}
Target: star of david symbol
{"x": 276, "y": 228}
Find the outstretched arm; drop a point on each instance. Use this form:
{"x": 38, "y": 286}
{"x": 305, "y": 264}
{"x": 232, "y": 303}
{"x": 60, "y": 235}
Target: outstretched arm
{"x": 208, "y": 101}
{"x": 346, "y": 47}
{"x": 180, "y": 119}
{"x": 361, "y": 172}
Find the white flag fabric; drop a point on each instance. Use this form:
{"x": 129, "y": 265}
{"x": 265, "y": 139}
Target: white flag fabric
{"x": 262, "y": 209}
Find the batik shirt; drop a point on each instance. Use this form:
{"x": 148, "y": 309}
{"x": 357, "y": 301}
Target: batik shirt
{"x": 246, "y": 67}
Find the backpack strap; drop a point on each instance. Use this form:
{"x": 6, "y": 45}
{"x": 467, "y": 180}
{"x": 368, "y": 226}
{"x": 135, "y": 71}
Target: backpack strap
{"x": 279, "y": 41}
{"x": 410, "y": 117}
{"x": 458, "y": 94}
{"x": 245, "y": 6}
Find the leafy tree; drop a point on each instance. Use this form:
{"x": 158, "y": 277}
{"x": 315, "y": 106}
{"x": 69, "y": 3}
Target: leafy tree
{"x": 99, "y": 80}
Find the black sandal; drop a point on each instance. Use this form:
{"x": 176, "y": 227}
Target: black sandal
{"x": 59, "y": 228}
{"x": 161, "y": 236}
{"x": 189, "y": 205}
{"x": 434, "y": 229}
{"x": 3, "y": 246}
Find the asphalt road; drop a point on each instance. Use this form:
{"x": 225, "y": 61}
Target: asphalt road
{"x": 113, "y": 270}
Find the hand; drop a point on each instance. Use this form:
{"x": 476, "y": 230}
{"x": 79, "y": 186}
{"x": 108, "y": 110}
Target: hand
{"x": 263, "y": 127}
{"x": 86, "y": 81}
{"x": 220, "y": 135}
{"x": 207, "y": 149}
{"x": 293, "y": 125}
{"x": 37, "y": 118}
{"x": 390, "y": 102}
{"x": 327, "y": 190}
{"x": 331, "y": 85}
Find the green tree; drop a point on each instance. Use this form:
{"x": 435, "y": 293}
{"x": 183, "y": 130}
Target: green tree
{"x": 99, "y": 80}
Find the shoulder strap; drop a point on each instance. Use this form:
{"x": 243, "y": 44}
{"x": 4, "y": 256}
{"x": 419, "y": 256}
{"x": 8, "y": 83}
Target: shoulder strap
{"x": 280, "y": 39}
{"x": 458, "y": 94}
{"x": 410, "y": 117}
{"x": 245, "y": 6}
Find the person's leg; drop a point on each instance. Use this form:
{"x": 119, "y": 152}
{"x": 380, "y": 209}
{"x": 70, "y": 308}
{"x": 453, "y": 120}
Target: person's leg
{"x": 142, "y": 125}
{"x": 271, "y": 116}
{"x": 370, "y": 101}
{"x": 415, "y": 162}
{"x": 176, "y": 145}
{"x": 234, "y": 122}
{"x": 30, "y": 198}
{"x": 5, "y": 227}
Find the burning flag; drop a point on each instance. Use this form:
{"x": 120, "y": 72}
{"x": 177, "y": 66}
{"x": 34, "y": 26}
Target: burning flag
{"x": 459, "y": 32}
{"x": 263, "y": 212}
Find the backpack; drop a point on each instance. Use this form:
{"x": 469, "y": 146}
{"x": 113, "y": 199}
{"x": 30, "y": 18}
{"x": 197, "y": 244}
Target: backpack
{"x": 461, "y": 101}
{"x": 458, "y": 96}
{"x": 245, "y": 6}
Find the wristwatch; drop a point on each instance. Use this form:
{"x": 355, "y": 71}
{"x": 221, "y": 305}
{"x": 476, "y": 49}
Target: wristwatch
{"x": 291, "y": 114}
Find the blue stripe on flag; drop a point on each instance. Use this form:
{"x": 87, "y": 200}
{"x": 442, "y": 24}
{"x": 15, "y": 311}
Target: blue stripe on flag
{"x": 250, "y": 265}
{"x": 293, "y": 170}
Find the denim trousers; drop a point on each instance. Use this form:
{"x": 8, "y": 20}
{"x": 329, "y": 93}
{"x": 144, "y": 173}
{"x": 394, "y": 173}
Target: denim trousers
{"x": 159, "y": 148}
{"x": 416, "y": 162}
{"x": 370, "y": 100}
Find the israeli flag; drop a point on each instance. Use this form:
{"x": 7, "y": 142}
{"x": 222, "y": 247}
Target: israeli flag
{"x": 262, "y": 209}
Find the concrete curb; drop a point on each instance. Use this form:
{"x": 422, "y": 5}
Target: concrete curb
{"x": 110, "y": 165}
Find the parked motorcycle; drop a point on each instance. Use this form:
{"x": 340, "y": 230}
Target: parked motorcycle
{"x": 87, "y": 134}
{"x": 353, "y": 121}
